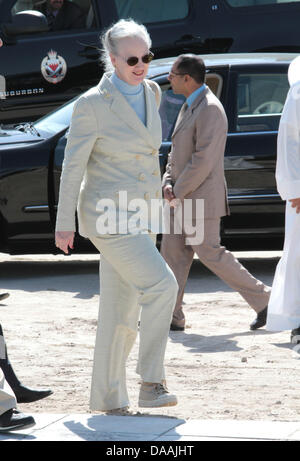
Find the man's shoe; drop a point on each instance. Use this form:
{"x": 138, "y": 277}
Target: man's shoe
{"x": 26, "y": 395}
{"x": 174, "y": 327}
{"x": 13, "y": 420}
{"x": 155, "y": 395}
{"x": 295, "y": 336}
{"x": 3, "y": 296}
{"x": 261, "y": 319}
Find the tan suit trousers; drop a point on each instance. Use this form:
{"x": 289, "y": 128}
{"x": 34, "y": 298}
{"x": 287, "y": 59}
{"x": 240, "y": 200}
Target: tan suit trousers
{"x": 135, "y": 283}
{"x": 179, "y": 257}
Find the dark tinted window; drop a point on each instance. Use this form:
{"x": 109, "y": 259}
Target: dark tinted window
{"x": 169, "y": 108}
{"x": 260, "y": 100}
{"x": 85, "y": 7}
{"x": 149, "y": 11}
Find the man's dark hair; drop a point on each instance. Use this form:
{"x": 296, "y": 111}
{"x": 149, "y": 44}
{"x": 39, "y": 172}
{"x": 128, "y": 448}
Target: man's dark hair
{"x": 192, "y": 65}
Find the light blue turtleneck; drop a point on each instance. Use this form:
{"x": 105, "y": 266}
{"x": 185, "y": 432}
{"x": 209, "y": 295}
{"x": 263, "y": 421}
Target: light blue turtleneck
{"x": 134, "y": 94}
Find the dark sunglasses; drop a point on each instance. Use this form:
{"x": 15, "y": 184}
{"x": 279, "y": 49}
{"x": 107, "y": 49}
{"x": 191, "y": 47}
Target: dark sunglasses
{"x": 177, "y": 73}
{"x": 133, "y": 60}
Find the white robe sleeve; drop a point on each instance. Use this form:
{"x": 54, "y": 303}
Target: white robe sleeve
{"x": 288, "y": 147}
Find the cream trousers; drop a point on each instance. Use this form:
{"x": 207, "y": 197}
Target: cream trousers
{"x": 135, "y": 284}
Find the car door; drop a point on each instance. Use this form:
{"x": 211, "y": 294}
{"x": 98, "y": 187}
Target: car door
{"x": 175, "y": 26}
{"x": 255, "y": 25}
{"x": 43, "y": 70}
{"x": 257, "y": 95}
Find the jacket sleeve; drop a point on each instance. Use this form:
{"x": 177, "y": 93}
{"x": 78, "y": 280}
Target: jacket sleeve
{"x": 288, "y": 150}
{"x": 210, "y": 138}
{"x": 81, "y": 139}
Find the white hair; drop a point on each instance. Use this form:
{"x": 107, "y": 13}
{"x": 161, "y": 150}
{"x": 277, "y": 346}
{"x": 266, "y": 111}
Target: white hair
{"x": 124, "y": 28}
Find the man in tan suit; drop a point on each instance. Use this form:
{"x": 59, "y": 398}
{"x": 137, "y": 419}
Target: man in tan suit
{"x": 195, "y": 170}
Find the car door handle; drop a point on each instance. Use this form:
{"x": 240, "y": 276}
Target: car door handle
{"x": 89, "y": 51}
{"x": 187, "y": 40}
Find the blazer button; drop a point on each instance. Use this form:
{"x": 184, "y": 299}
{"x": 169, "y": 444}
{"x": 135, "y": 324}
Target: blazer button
{"x": 146, "y": 196}
{"x": 154, "y": 152}
{"x": 138, "y": 157}
{"x": 142, "y": 177}
{"x": 155, "y": 173}
{"x": 157, "y": 194}
{"x": 107, "y": 95}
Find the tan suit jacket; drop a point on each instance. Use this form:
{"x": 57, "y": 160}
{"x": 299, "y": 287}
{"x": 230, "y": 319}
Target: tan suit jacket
{"x": 109, "y": 149}
{"x": 196, "y": 162}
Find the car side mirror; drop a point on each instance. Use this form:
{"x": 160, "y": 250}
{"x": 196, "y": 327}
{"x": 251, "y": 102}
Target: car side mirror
{"x": 26, "y": 22}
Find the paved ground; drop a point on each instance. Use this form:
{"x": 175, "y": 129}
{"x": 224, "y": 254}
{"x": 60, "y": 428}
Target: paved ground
{"x": 232, "y": 384}
{"x": 87, "y": 427}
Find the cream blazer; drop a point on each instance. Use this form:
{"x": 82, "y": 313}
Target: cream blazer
{"x": 109, "y": 149}
{"x": 196, "y": 162}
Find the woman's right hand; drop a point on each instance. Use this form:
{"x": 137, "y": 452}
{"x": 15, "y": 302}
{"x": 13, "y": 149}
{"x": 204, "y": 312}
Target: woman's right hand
{"x": 64, "y": 240}
{"x": 168, "y": 193}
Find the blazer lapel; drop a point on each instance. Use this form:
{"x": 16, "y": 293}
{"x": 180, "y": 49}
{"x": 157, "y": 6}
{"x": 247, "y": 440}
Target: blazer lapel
{"x": 149, "y": 106}
{"x": 180, "y": 116}
{"x": 184, "y": 119}
{"x": 153, "y": 120}
{"x": 124, "y": 111}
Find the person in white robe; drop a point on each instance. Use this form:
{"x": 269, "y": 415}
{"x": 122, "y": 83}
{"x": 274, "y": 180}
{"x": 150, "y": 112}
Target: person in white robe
{"x": 284, "y": 304}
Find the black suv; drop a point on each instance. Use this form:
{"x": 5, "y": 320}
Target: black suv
{"x": 41, "y": 69}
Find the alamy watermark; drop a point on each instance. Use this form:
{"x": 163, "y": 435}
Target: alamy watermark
{"x": 161, "y": 216}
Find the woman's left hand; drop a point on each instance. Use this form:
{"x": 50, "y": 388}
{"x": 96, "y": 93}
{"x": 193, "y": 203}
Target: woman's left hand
{"x": 64, "y": 240}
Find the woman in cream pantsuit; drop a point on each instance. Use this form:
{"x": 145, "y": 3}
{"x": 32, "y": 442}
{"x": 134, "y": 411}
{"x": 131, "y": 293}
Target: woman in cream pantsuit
{"x": 113, "y": 146}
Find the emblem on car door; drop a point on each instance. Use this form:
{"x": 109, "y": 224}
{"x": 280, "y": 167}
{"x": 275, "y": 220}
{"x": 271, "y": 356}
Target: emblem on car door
{"x": 53, "y": 67}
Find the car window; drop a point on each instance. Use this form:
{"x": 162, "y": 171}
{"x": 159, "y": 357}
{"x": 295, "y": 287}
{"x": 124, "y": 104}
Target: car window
{"x": 215, "y": 83}
{"x": 57, "y": 120}
{"x": 169, "y": 109}
{"x": 147, "y": 11}
{"x": 242, "y": 3}
{"x": 260, "y": 100}
{"x": 22, "y": 5}
{"x": 78, "y": 15}
{"x": 171, "y": 103}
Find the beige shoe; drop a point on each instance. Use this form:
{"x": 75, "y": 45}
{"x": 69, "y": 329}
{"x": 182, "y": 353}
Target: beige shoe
{"x": 123, "y": 411}
{"x": 154, "y": 395}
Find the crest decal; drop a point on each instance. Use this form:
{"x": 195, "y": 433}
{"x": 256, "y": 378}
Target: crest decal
{"x": 53, "y": 67}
